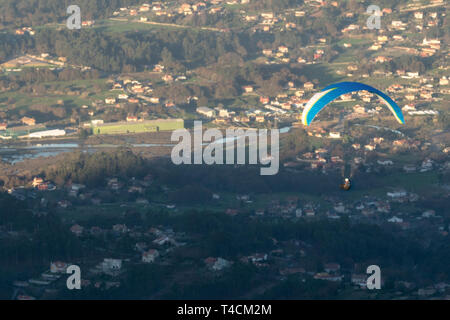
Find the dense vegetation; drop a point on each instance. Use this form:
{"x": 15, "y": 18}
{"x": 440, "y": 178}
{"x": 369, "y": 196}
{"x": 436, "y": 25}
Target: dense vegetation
{"x": 216, "y": 234}
{"x": 37, "y": 12}
{"x": 34, "y": 241}
{"x": 232, "y": 237}
{"x": 11, "y": 45}
{"x": 32, "y": 234}
{"x": 92, "y": 169}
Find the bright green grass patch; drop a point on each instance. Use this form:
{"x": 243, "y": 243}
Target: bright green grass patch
{"x": 139, "y": 127}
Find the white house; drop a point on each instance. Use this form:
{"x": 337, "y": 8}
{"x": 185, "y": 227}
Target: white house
{"x": 385, "y": 162}
{"x": 428, "y": 214}
{"x": 205, "y": 111}
{"x": 217, "y": 264}
{"x": 220, "y": 264}
{"x": 409, "y": 168}
{"x": 370, "y": 147}
{"x": 258, "y": 257}
{"x": 150, "y": 256}
{"x": 162, "y": 240}
{"x": 111, "y": 264}
{"x": 359, "y": 280}
{"x": 223, "y": 113}
{"x": 340, "y": 208}
{"x": 97, "y": 122}
{"x": 110, "y": 100}
{"x": 395, "y": 219}
{"x": 427, "y": 165}
{"x": 58, "y": 267}
{"x": 47, "y": 133}
{"x": 335, "y": 135}
{"x": 397, "y": 194}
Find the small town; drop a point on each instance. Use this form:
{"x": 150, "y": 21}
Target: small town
{"x": 86, "y": 118}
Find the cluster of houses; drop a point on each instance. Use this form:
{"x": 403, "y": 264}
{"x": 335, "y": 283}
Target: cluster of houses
{"x": 25, "y": 30}
{"x": 371, "y": 209}
{"x": 37, "y": 184}
{"x": 289, "y": 105}
{"x": 155, "y": 244}
{"x": 41, "y": 60}
{"x": 132, "y": 91}
{"x": 52, "y": 281}
{"x": 173, "y": 10}
{"x": 127, "y": 91}
{"x": 427, "y": 89}
{"x": 151, "y": 246}
{"x": 285, "y": 106}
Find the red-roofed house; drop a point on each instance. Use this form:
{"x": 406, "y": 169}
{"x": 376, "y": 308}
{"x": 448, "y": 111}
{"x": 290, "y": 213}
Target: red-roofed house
{"x": 150, "y": 256}
{"x": 28, "y": 121}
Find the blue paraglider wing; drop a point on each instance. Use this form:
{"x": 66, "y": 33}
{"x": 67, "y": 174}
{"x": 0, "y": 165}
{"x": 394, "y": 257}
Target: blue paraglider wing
{"x": 330, "y": 93}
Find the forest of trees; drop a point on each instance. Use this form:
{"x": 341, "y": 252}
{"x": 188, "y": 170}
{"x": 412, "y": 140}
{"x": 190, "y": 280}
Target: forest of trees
{"x": 38, "y": 240}
{"x": 232, "y": 237}
{"x": 36, "y": 12}
{"x": 11, "y": 45}
{"x": 133, "y": 51}
{"x": 195, "y": 184}
{"x": 220, "y": 235}
{"x": 92, "y": 170}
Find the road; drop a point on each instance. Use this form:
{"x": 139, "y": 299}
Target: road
{"x": 170, "y": 25}
{"x": 433, "y": 5}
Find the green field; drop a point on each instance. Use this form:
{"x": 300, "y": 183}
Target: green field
{"x": 139, "y": 127}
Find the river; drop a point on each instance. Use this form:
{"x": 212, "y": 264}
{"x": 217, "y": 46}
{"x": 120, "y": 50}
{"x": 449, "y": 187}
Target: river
{"x": 18, "y": 153}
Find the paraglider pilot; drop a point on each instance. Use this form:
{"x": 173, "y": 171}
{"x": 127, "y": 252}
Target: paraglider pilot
{"x": 347, "y": 185}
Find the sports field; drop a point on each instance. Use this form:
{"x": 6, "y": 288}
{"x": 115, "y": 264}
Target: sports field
{"x": 139, "y": 127}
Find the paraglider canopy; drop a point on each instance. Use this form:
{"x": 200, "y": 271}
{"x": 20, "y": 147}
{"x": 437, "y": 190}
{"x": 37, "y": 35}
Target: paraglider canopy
{"x": 330, "y": 93}
{"x": 321, "y": 99}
